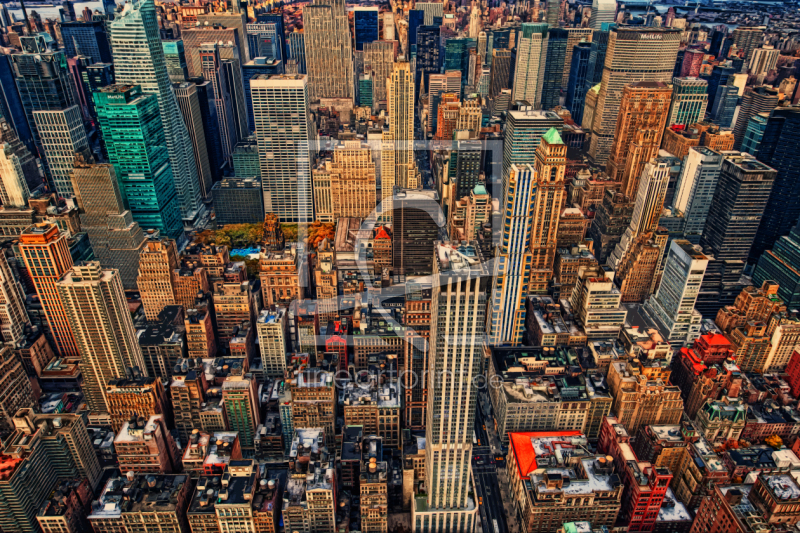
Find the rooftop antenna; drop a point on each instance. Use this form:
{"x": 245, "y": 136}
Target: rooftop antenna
{"x": 25, "y": 14}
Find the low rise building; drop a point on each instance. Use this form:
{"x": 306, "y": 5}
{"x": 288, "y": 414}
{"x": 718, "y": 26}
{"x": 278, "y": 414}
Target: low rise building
{"x": 373, "y": 405}
{"x": 147, "y": 447}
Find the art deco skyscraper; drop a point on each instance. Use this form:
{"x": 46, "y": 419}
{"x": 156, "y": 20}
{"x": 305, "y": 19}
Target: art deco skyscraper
{"x": 458, "y": 307}
{"x": 513, "y": 265}
{"x": 329, "y": 50}
{"x": 139, "y": 60}
{"x": 45, "y": 252}
{"x": 400, "y": 94}
{"x": 529, "y": 71}
{"x": 95, "y": 305}
{"x": 284, "y": 132}
{"x": 116, "y": 239}
{"x": 633, "y": 54}
{"x": 156, "y": 263}
{"x": 642, "y": 118}
{"x": 136, "y": 145}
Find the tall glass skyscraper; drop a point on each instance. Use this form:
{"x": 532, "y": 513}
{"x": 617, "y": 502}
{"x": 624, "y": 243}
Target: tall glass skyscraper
{"x": 554, "y": 66}
{"x": 365, "y": 21}
{"x": 134, "y": 139}
{"x": 297, "y": 50}
{"x": 578, "y": 74}
{"x": 139, "y": 60}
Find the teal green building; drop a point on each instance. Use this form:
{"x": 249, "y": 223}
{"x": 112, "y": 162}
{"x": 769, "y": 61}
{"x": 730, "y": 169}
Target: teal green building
{"x": 134, "y": 138}
{"x": 782, "y": 265}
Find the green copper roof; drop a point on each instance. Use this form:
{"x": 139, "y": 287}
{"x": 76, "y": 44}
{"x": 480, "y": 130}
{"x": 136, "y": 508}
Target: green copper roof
{"x": 552, "y": 137}
{"x": 479, "y": 189}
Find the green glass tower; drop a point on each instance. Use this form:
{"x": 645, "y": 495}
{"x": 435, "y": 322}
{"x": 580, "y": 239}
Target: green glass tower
{"x": 780, "y": 265}
{"x": 134, "y": 137}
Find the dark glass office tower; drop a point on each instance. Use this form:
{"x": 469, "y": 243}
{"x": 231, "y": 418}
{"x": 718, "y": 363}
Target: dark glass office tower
{"x": 576, "y": 90}
{"x": 742, "y": 193}
{"x": 465, "y": 166}
{"x": 428, "y": 58}
{"x": 280, "y": 32}
{"x": 416, "y": 18}
{"x": 365, "y": 23}
{"x": 417, "y": 219}
{"x": 43, "y": 80}
{"x": 597, "y": 58}
{"x": 554, "y": 66}
{"x": 11, "y": 105}
{"x": 90, "y": 38}
{"x": 719, "y": 77}
{"x": 497, "y": 40}
{"x": 779, "y": 148}
{"x": 456, "y": 55}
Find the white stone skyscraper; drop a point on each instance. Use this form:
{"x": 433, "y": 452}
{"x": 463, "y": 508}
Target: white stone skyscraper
{"x": 458, "y": 312}
{"x": 529, "y": 71}
{"x": 139, "y": 60}
{"x": 61, "y": 134}
{"x": 284, "y": 136}
{"x": 603, "y": 11}
{"x": 329, "y": 50}
{"x": 673, "y": 304}
{"x": 95, "y": 306}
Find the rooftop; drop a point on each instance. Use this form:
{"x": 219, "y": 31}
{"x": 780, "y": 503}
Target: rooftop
{"x": 137, "y": 493}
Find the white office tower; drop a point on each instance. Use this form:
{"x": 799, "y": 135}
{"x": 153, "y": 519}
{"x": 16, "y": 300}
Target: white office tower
{"x": 13, "y": 317}
{"x": 458, "y": 308}
{"x": 512, "y": 269}
{"x": 62, "y": 134}
{"x": 284, "y": 134}
{"x": 14, "y": 190}
{"x": 694, "y": 191}
{"x": 139, "y": 60}
{"x": 400, "y": 95}
{"x": 763, "y": 60}
{"x": 603, "y": 11}
{"x": 329, "y": 50}
{"x": 672, "y": 306}
{"x": 648, "y": 207}
{"x": 388, "y": 26}
{"x": 95, "y": 305}
{"x": 529, "y": 71}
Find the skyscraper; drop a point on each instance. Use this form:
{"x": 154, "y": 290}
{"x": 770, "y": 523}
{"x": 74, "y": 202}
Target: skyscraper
{"x": 524, "y": 131}
{"x": 134, "y": 138}
{"x": 43, "y": 80}
{"x": 763, "y": 60}
{"x": 86, "y": 38}
{"x": 689, "y": 101}
{"x": 158, "y": 260}
{"x": 283, "y": 131}
{"x": 553, "y": 13}
{"x": 95, "y": 305}
{"x": 328, "y": 49}
{"x": 400, "y": 95}
{"x": 175, "y": 60}
{"x": 739, "y": 201}
{"x": 513, "y": 265}
{"x": 297, "y": 50}
{"x": 530, "y": 67}
{"x": 642, "y": 117}
{"x": 554, "y": 67}
{"x": 116, "y": 239}
{"x": 189, "y": 103}
{"x": 673, "y": 303}
{"x": 365, "y": 25}
{"x": 13, "y": 317}
{"x": 500, "y": 72}
{"x": 417, "y": 219}
{"x": 603, "y": 12}
{"x": 45, "y": 252}
{"x": 379, "y": 56}
{"x": 14, "y": 190}
{"x": 239, "y": 394}
{"x": 634, "y": 54}
{"x": 695, "y": 188}
{"x": 428, "y": 59}
{"x": 223, "y": 97}
{"x": 139, "y": 60}
{"x": 647, "y": 208}
{"x": 458, "y": 307}
{"x": 778, "y": 149}
{"x": 61, "y": 134}
{"x": 761, "y": 99}
{"x": 578, "y": 76}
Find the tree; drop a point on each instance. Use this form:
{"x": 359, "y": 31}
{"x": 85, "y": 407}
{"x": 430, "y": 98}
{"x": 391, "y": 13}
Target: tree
{"x": 774, "y": 441}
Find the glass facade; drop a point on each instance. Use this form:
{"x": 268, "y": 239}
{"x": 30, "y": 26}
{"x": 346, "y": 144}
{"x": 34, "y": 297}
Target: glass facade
{"x": 366, "y": 26}
{"x": 134, "y": 139}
